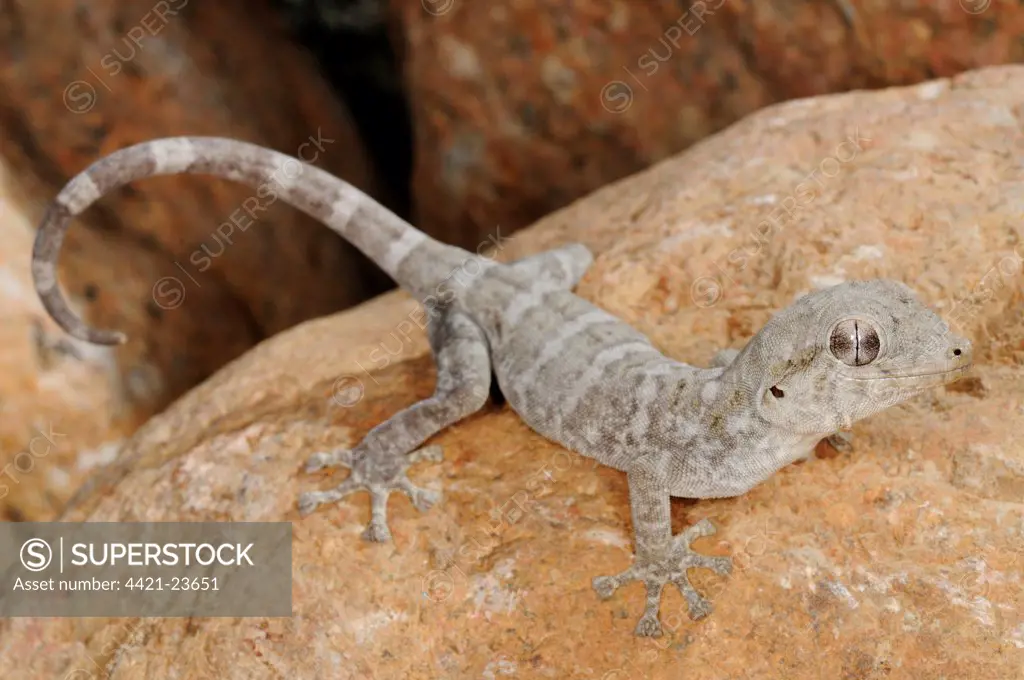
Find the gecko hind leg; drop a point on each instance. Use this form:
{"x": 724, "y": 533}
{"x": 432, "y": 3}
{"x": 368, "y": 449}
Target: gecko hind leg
{"x": 379, "y": 462}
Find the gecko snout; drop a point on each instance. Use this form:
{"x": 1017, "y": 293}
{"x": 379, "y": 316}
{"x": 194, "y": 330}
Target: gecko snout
{"x": 962, "y": 352}
{"x": 959, "y": 357}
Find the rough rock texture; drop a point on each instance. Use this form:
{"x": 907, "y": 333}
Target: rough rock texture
{"x": 49, "y": 384}
{"x": 135, "y": 71}
{"x": 519, "y": 108}
{"x": 904, "y": 559}
{"x": 76, "y": 84}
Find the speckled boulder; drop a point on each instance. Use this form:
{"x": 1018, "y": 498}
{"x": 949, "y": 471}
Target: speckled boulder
{"x": 901, "y": 560}
{"x": 78, "y": 82}
{"x": 521, "y": 107}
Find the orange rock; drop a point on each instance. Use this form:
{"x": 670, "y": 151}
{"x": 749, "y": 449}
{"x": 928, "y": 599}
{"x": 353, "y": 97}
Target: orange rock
{"x": 921, "y": 579}
{"x": 78, "y": 83}
{"x": 521, "y": 108}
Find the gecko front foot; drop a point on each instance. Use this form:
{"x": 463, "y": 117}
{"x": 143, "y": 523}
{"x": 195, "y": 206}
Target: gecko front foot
{"x": 367, "y": 477}
{"x": 655, "y": 573}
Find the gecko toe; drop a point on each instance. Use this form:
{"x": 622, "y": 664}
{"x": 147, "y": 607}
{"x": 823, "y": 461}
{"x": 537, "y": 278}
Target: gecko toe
{"x": 682, "y": 541}
{"x": 433, "y": 454}
{"x": 424, "y": 499}
{"x": 701, "y": 528}
{"x": 605, "y": 586}
{"x": 377, "y": 532}
{"x": 327, "y": 459}
{"x": 308, "y": 502}
{"x": 311, "y": 500}
{"x": 648, "y": 626}
{"x": 719, "y": 565}
{"x": 699, "y": 608}
{"x": 697, "y": 605}
{"x": 317, "y": 461}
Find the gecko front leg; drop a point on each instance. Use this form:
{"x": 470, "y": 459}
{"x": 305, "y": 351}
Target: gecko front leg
{"x": 660, "y": 558}
{"x": 379, "y": 462}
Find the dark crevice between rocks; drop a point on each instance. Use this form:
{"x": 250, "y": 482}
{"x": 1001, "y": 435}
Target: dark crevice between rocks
{"x": 349, "y": 40}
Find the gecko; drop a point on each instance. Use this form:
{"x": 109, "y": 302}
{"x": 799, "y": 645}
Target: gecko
{"x": 576, "y": 374}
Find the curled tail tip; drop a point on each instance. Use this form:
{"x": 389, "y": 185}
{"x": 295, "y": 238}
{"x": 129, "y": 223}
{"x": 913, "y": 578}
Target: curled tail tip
{"x": 98, "y": 336}
{"x": 95, "y": 336}
{"x": 77, "y": 328}
{"x": 113, "y": 338}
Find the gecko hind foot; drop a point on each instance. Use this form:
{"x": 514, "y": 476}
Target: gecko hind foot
{"x": 654, "y": 574}
{"x": 377, "y": 530}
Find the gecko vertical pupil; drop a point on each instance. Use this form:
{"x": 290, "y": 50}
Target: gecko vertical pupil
{"x": 854, "y": 342}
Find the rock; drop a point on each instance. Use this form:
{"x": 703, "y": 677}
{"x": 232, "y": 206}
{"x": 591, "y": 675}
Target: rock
{"x": 78, "y": 84}
{"x": 207, "y": 70}
{"x": 61, "y": 414}
{"x": 903, "y": 559}
{"x": 521, "y": 108}
{"x": 346, "y": 15}
{"x": 352, "y": 45}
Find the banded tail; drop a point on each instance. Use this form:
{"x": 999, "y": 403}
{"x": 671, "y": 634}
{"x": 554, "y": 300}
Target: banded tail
{"x": 381, "y": 235}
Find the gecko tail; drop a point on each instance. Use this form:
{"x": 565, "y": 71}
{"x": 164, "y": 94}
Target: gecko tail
{"x": 44, "y": 275}
{"x": 410, "y": 257}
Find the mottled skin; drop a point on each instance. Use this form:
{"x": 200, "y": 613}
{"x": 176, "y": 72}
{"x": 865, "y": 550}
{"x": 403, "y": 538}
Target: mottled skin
{"x": 574, "y": 373}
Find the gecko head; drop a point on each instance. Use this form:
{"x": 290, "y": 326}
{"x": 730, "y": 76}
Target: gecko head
{"x": 843, "y": 353}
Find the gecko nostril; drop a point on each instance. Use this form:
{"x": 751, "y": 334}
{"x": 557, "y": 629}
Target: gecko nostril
{"x": 956, "y": 352}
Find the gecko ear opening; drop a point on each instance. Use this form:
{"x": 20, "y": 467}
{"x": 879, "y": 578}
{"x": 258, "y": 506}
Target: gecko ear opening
{"x": 776, "y": 392}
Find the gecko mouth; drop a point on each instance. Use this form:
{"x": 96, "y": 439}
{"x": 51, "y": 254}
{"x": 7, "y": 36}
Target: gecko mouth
{"x": 917, "y": 381}
{"x": 958, "y": 371}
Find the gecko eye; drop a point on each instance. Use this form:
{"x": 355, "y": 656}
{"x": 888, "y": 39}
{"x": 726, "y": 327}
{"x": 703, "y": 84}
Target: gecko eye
{"x": 854, "y": 342}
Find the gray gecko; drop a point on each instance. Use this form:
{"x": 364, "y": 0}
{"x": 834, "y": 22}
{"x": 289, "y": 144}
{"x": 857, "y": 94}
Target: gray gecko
{"x": 574, "y": 373}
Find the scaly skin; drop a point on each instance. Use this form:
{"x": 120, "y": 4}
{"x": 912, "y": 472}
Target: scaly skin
{"x": 574, "y": 373}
